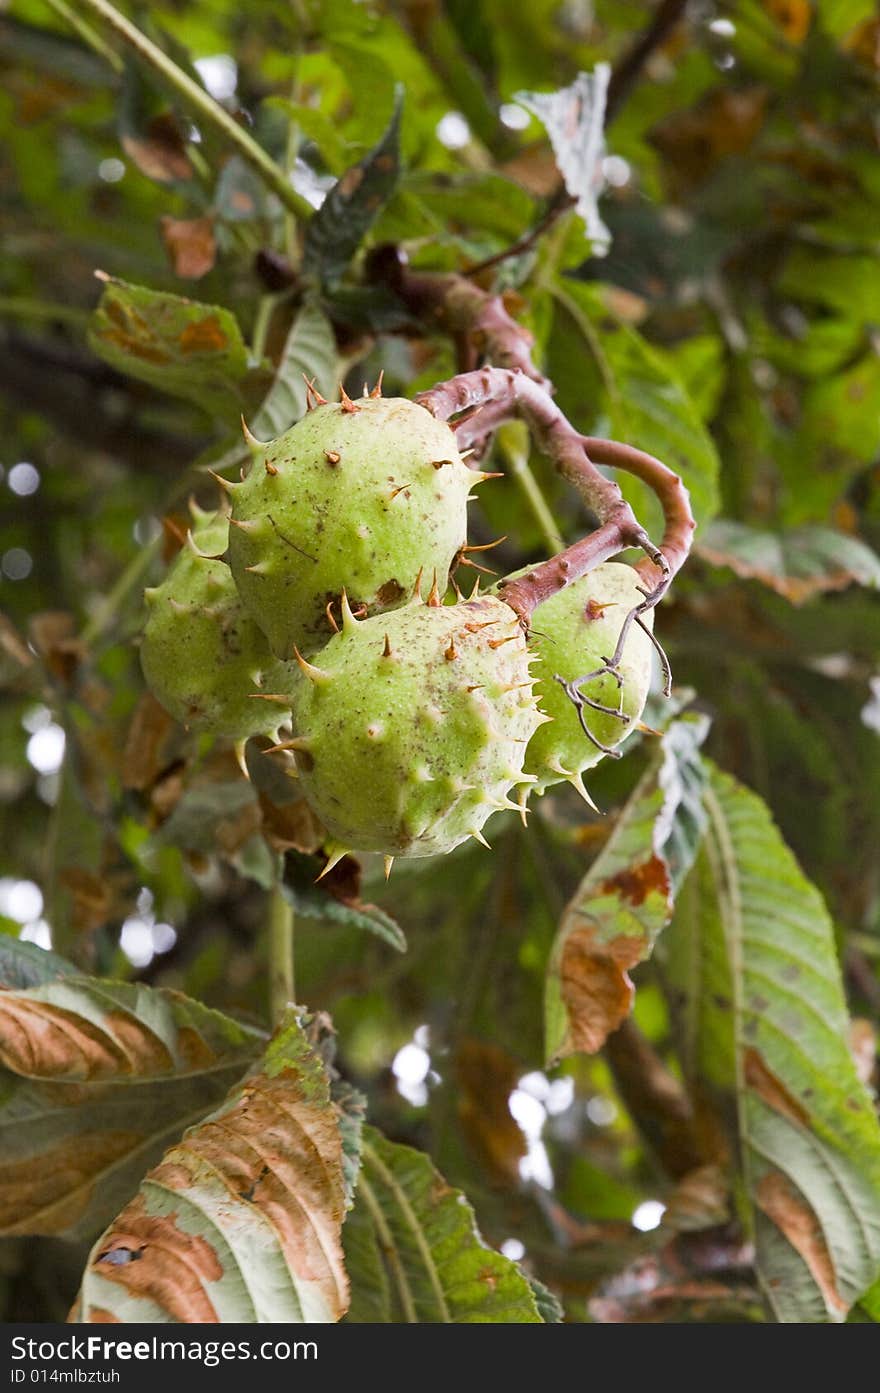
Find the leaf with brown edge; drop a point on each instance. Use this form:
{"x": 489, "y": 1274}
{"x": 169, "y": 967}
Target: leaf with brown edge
{"x": 625, "y": 899}
{"x": 190, "y": 244}
{"x": 798, "y": 564}
{"x": 160, "y": 150}
{"x": 97, "y": 1078}
{"x": 752, "y": 976}
{"x": 242, "y": 1219}
{"x": 176, "y": 345}
{"x": 782, "y": 1202}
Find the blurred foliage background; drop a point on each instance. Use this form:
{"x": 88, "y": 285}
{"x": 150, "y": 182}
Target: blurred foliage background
{"x": 731, "y": 328}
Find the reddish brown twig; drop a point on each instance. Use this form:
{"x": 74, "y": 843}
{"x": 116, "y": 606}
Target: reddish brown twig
{"x": 476, "y": 320}
{"x": 501, "y": 394}
{"x": 493, "y": 395}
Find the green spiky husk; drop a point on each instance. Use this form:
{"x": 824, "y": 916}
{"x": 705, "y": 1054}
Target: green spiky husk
{"x": 572, "y": 634}
{"x": 408, "y": 752}
{"x": 202, "y": 655}
{"x": 363, "y": 499}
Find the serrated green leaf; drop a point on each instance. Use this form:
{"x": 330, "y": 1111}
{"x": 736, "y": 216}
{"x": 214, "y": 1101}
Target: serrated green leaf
{"x": 309, "y": 352}
{"x": 352, "y": 206}
{"x": 314, "y": 902}
{"x": 798, "y": 564}
{"x": 625, "y": 899}
{"x": 752, "y": 972}
{"x": 97, "y": 1077}
{"x": 413, "y": 1250}
{"x": 242, "y": 1219}
{"x": 181, "y": 346}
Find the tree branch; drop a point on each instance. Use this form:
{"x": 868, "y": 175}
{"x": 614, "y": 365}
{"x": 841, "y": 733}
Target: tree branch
{"x": 504, "y": 394}
{"x": 203, "y": 104}
{"x": 627, "y": 71}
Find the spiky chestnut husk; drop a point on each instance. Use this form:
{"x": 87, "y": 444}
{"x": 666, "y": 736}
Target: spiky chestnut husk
{"x": 572, "y": 634}
{"x": 413, "y": 728}
{"x": 362, "y": 496}
{"x": 202, "y": 655}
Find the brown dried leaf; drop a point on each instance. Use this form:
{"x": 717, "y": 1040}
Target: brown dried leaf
{"x": 147, "y": 747}
{"x": 191, "y": 245}
{"x": 92, "y": 898}
{"x": 12, "y": 643}
{"x": 700, "y": 1200}
{"x": 596, "y": 988}
{"x": 292, "y": 826}
{"x": 782, "y": 1202}
{"x": 486, "y": 1077}
{"x": 160, "y": 152}
{"x": 53, "y": 634}
{"x": 242, "y": 1220}
{"x": 792, "y": 17}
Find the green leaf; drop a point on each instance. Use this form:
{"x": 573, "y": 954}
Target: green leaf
{"x": 242, "y": 1219}
{"x": 315, "y": 902}
{"x": 97, "y": 1077}
{"x": 848, "y": 284}
{"x": 25, "y": 965}
{"x": 637, "y": 397}
{"x": 840, "y": 17}
{"x": 352, "y": 206}
{"x": 797, "y": 564}
{"x": 309, "y": 352}
{"x": 413, "y": 1251}
{"x": 191, "y": 350}
{"x": 752, "y": 973}
{"x": 625, "y": 899}
{"x": 837, "y": 437}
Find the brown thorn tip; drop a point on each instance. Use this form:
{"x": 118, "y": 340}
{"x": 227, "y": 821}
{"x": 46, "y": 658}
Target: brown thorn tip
{"x": 332, "y": 456}
{"x": 386, "y": 651}
{"x": 646, "y": 729}
{"x": 312, "y": 391}
{"x": 346, "y": 401}
{"x": 377, "y": 390}
{"x": 499, "y": 642}
{"x": 450, "y": 654}
{"x": 250, "y": 439}
{"x": 224, "y": 483}
{"x": 475, "y": 566}
{"x": 270, "y": 468}
{"x": 417, "y": 588}
{"x": 389, "y": 862}
{"x": 486, "y": 546}
{"x": 329, "y": 613}
{"x": 481, "y": 474}
{"x": 314, "y": 674}
{"x": 434, "y": 597}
